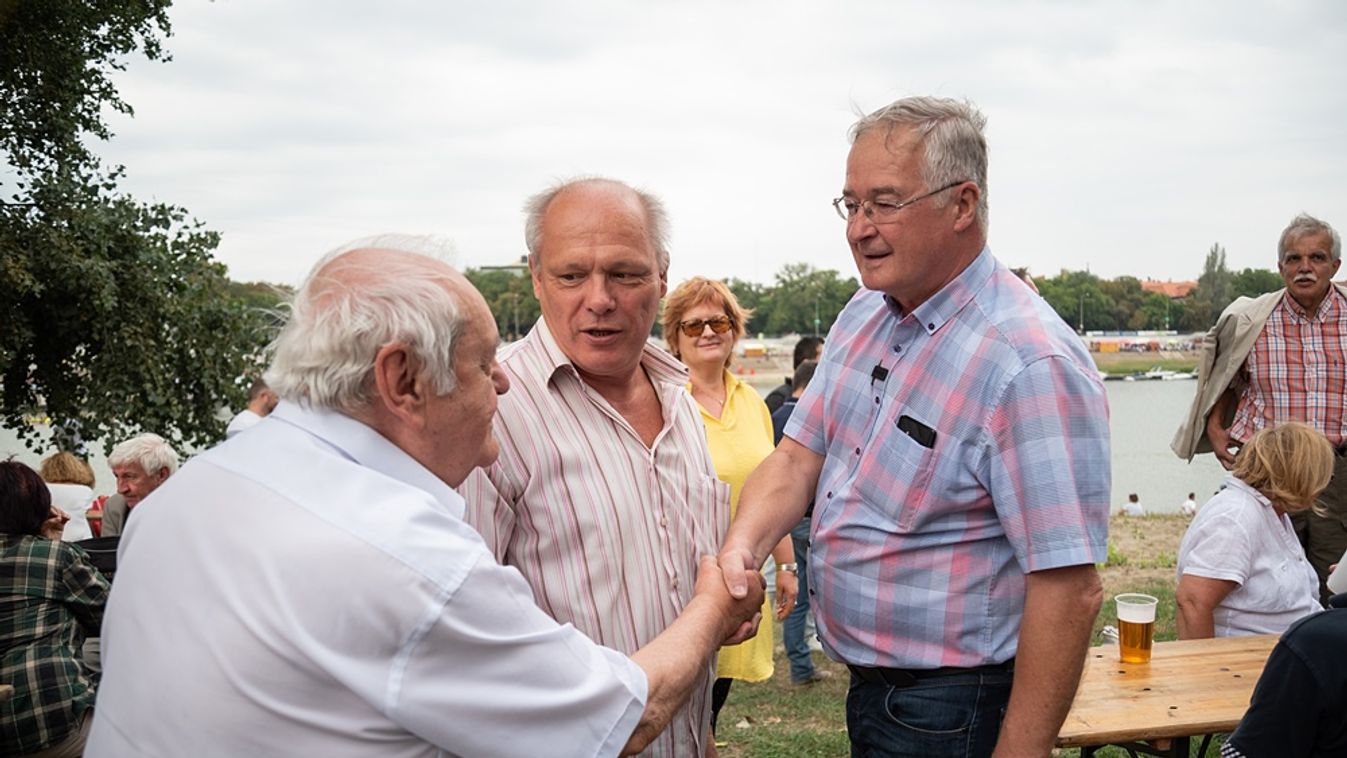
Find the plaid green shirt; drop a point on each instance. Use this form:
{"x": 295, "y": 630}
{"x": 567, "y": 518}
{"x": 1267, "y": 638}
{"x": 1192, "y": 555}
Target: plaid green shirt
{"x": 51, "y": 597}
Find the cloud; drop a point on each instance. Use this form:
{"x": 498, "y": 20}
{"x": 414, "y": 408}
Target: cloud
{"x": 1124, "y": 137}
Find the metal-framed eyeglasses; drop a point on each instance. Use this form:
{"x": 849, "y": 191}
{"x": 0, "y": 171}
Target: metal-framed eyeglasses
{"x": 880, "y": 211}
{"x": 694, "y": 327}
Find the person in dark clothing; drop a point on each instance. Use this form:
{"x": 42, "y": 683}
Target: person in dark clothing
{"x": 1298, "y": 705}
{"x": 802, "y": 669}
{"x": 807, "y": 349}
{"x": 51, "y": 597}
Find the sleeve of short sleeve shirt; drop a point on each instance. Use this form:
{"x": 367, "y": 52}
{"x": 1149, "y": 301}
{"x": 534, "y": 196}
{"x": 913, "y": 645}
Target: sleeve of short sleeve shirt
{"x": 494, "y": 675}
{"x": 1048, "y": 468}
{"x": 806, "y": 423}
{"x": 1218, "y": 548}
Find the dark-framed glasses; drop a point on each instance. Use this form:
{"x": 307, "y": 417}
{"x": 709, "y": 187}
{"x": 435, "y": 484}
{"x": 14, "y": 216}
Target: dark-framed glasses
{"x": 694, "y": 327}
{"x": 880, "y": 211}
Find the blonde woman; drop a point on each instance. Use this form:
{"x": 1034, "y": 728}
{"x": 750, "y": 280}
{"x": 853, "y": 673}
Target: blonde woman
{"x": 702, "y": 323}
{"x": 1241, "y": 569}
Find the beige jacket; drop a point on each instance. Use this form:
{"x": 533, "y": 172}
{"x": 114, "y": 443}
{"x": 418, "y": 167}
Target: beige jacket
{"x": 1224, "y": 349}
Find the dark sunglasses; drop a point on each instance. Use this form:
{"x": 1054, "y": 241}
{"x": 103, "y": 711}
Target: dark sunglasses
{"x": 693, "y": 328}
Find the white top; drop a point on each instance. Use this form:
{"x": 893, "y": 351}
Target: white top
{"x": 1133, "y": 509}
{"x": 75, "y": 500}
{"x": 245, "y": 420}
{"x": 1237, "y": 536}
{"x": 309, "y": 589}
{"x": 1189, "y": 507}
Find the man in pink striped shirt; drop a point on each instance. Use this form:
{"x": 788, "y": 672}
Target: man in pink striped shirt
{"x": 604, "y": 494}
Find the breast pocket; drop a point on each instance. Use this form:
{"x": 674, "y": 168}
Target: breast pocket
{"x": 894, "y": 476}
{"x": 709, "y": 507}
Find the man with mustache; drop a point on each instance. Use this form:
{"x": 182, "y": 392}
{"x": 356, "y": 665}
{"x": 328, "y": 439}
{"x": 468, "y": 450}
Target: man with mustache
{"x": 1282, "y": 357}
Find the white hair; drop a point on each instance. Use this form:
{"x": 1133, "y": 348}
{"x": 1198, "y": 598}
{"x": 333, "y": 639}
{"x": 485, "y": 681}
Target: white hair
{"x": 951, "y": 132}
{"x": 1304, "y": 225}
{"x": 347, "y": 310}
{"x": 656, "y": 218}
{"x": 148, "y": 450}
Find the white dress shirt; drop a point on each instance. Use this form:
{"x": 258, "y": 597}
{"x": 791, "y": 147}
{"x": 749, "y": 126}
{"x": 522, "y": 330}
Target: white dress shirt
{"x": 309, "y": 589}
{"x": 1237, "y": 537}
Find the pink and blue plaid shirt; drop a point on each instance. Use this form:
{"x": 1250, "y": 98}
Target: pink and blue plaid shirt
{"x": 966, "y": 444}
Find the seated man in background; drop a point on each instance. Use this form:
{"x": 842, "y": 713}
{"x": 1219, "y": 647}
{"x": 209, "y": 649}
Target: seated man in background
{"x": 351, "y": 611}
{"x": 140, "y": 465}
{"x": 261, "y": 401}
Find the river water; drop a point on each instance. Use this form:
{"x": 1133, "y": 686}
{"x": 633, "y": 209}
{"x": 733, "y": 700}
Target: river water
{"x": 1143, "y": 418}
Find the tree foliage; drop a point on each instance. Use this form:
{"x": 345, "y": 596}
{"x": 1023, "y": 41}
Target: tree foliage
{"x": 116, "y": 316}
{"x": 511, "y": 299}
{"x": 1087, "y": 302}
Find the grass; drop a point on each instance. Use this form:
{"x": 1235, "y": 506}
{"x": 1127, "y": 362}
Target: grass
{"x": 775, "y": 719}
{"x": 1135, "y": 363}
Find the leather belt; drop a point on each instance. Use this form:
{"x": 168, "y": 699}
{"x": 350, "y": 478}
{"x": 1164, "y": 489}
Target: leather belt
{"x": 907, "y": 677}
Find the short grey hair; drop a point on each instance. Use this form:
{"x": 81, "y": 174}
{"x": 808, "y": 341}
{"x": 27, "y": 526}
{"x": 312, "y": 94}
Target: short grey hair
{"x": 950, "y": 130}
{"x": 1303, "y": 225}
{"x": 150, "y": 451}
{"x": 347, "y": 310}
{"x": 656, "y": 218}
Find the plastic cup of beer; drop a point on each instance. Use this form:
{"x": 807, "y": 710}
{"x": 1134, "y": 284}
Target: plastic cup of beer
{"x": 1136, "y": 626}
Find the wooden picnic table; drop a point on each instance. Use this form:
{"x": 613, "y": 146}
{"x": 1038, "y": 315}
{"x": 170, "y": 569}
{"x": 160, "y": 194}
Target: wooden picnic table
{"x": 1189, "y": 688}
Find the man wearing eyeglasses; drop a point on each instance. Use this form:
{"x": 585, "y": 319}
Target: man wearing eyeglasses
{"x": 604, "y": 495}
{"x": 955, "y": 442}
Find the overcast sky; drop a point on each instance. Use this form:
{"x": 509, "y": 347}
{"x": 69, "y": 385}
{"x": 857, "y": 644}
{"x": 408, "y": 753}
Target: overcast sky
{"x": 1125, "y": 137}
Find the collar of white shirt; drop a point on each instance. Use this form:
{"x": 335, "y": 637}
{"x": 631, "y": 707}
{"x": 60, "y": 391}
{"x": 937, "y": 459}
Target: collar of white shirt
{"x": 361, "y": 444}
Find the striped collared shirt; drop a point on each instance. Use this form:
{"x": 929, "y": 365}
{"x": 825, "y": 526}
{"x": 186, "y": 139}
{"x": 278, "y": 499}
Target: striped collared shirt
{"x": 1297, "y": 371}
{"x": 965, "y": 444}
{"x": 607, "y": 531}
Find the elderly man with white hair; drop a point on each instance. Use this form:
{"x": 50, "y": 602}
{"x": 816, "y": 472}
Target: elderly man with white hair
{"x": 140, "y": 465}
{"x": 348, "y": 609}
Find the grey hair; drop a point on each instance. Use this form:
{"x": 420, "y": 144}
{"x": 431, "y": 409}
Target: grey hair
{"x": 1306, "y": 224}
{"x": 149, "y": 450}
{"x": 347, "y": 310}
{"x": 656, "y": 218}
{"x": 950, "y": 130}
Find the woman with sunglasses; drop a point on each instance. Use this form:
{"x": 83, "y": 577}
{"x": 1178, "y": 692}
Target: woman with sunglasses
{"x": 702, "y": 323}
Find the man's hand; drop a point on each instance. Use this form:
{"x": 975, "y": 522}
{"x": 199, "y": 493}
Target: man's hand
{"x": 54, "y": 526}
{"x": 1220, "y": 441}
{"x": 741, "y": 615}
{"x": 735, "y": 565}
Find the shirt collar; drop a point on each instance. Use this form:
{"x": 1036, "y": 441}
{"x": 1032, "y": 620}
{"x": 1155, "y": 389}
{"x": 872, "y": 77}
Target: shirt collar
{"x": 1326, "y": 308}
{"x": 661, "y": 366}
{"x": 950, "y": 299}
{"x": 1235, "y": 482}
{"x": 361, "y": 444}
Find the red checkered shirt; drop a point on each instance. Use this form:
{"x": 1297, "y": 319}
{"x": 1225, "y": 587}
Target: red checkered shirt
{"x": 1297, "y": 371}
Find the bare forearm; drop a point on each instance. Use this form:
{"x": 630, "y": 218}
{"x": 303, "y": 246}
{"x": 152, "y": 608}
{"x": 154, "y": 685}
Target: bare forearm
{"x": 1059, "y": 611}
{"x": 673, "y": 663}
{"x": 774, "y": 499}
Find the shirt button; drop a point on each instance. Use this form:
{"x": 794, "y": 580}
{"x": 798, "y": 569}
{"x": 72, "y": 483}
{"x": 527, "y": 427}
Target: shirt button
{"x": 930, "y": 327}
{"x": 897, "y": 348}
{"x": 675, "y": 582}
{"x": 876, "y": 401}
{"x": 663, "y": 521}
{"x": 830, "y": 494}
{"x": 858, "y": 451}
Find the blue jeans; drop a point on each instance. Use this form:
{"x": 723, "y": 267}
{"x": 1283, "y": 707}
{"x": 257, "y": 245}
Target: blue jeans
{"x": 951, "y": 715}
{"x": 797, "y": 647}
